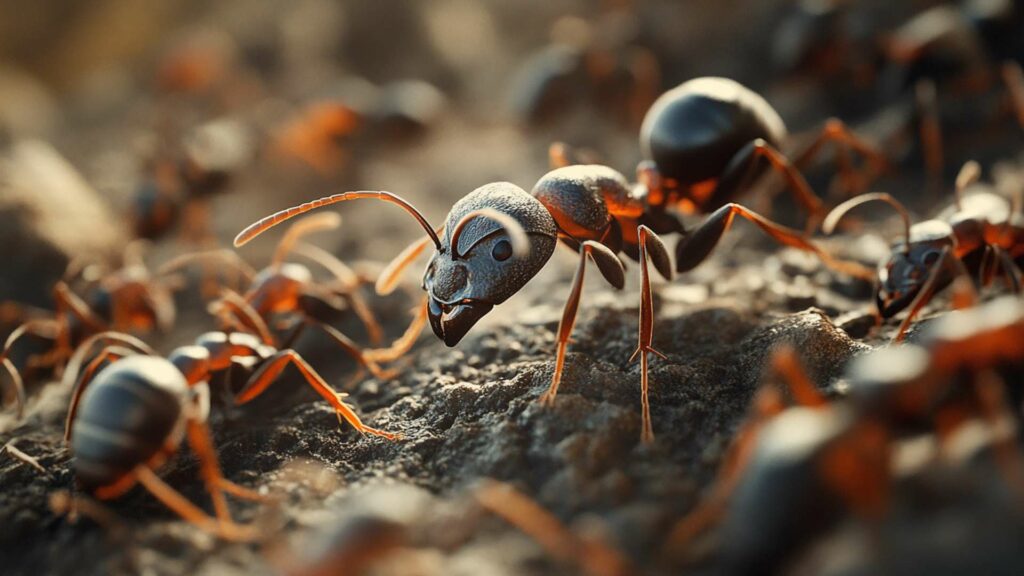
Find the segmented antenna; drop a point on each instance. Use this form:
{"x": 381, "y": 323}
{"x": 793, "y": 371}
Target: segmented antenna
{"x": 269, "y": 222}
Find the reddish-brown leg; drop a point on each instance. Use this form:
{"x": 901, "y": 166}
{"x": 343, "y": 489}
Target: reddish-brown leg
{"x": 392, "y": 273}
{"x": 928, "y": 289}
{"x": 1014, "y": 79}
{"x": 650, "y": 247}
{"x": 835, "y": 131}
{"x": 353, "y": 350}
{"x": 696, "y": 247}
{"x": 930, "y": 132}
{"x": 742, "y": 168}
{"x": 190, "y": 512}
{"x": 272, "y": 368}
{"x": 594, "y": 556}
{"x": 403, "y": 344}
{"x": 606, "y": 262}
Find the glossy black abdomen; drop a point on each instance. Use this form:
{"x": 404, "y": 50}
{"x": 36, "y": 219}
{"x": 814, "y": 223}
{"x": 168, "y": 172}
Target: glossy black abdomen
{"x": 125, "y": 417}
{"x": 692, "y": 131}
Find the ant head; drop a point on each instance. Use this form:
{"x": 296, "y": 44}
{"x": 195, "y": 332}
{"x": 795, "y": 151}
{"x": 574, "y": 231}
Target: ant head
{"x": 495, "y": 240}
{"x": 901, "y": 277}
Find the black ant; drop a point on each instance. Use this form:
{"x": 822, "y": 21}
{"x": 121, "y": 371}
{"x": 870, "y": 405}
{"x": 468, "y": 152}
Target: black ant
{"x": 130, "y": 409}
{"x": 979, "y": 234}
{"x": 498, "y": 237}
{"x": 788, "y": 466}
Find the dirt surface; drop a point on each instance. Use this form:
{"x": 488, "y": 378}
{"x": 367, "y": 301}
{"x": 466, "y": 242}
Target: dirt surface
{"x": 471, "y": 413}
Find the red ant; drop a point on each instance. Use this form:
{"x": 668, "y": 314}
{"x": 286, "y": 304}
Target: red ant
{"x": 979, "y": 234}
{"x": 498, "y": 237}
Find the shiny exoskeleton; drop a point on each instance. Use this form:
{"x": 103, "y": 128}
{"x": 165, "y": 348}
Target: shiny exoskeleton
{"x": 499, "y": 236}
{"x": 130, "y": 410}
{"x": 793, "y": 472}
{"x": 979, "y": 234}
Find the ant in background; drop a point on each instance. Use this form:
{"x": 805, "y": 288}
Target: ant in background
{"x": 980, "y": 234}
{"x": 128, "y": 299}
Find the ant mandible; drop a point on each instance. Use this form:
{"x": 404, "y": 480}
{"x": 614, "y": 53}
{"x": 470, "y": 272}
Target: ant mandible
{"x": 980, "y": 233}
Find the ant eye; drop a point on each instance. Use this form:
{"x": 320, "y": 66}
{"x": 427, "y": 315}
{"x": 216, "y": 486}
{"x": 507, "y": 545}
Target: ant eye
{"x": 930, "y": 258}
{"x": 502, "y": 250}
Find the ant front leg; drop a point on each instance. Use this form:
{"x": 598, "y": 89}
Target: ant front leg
{"x": 697, "y": 246}
{"x": 744, "y": 167}
{"x": 651, "y": 247}
{"x": 613, "y": 271}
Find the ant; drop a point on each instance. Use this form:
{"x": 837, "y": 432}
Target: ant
{"x": 498, "y": 236}
{"x": 980, "y": 233}
{"x": 130, "y": 408}
{"x": 288, "y": 288}
{"x": 787, "y": 466}
{"x": 179, "y": 184}
{"x": 126, "y": 300}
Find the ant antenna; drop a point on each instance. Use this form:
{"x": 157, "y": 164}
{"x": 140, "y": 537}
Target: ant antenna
{"x": 833, "y": 217}
{"x": 516, "y": 234}
{"x": 308, "y": 225}
{"x": 969, "y": 174}
{"x": 261, "y": 226}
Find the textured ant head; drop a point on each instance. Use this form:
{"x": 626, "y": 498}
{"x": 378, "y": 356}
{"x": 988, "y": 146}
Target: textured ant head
{"x": 902, "y": 276}
{"x": 495, "y": 240}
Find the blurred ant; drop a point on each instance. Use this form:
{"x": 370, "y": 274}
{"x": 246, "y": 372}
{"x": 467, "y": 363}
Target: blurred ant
{"x": 498, "y": 237}
{"x": 179, "y": 183}
{"x": 128, "y": 299}
{"x": 789, "y": 467}
{"x": 981, "y": 233}
{"x": 319, "y": 134}
{"x": 601, "y": 63}
{"x": 288, "y": 289}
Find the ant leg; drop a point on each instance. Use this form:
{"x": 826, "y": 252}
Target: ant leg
{"x": 593, "y": 555}
{"x": 930, "y": 131}
{"x": 233, "y": 304}
{"x": 403, "y": 344}
{"x": 997, "y": 412}
{"x": 650, "y": 246}
{"x": 388, "y": 279}
{"x": 111, "y": 353}
{"x": 353, "y": 350}
{"x": 558, "y": 155}
{"x": 349, "y": 283}
{"x": 928, "y": 289}
{"x": 837, "y": 131}
{"x": 786, "y": 363}
{"x": 1014, "y": 79}
{"x": 1009, "y": 269}
{"x": 612, "y": 270}
{"x": 190, "y": 512}
{"x": 272, "y": 368}
{"x": 695, "y": 248}
{"x": 742, "y": 168}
